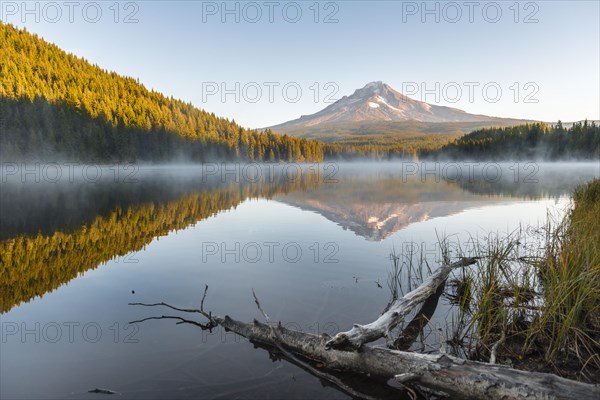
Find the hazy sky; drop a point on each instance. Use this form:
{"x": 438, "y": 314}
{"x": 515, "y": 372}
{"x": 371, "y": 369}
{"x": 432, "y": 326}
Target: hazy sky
{"x": 536, "y": 60}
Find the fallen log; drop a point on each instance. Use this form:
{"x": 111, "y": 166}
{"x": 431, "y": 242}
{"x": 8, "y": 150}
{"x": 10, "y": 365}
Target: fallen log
{"x": 452, "y": 375}
{"x": 395, "y": 312}
{"x": 457, "y": 377}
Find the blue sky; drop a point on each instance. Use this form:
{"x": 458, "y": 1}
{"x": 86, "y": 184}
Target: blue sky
{"x": 536, "y": 60}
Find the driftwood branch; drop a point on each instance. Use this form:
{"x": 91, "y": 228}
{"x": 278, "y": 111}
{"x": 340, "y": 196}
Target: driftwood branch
{"x": 444, "y": 373}
{"x": 396, "y": 312}
{"x": 460, "y": 378}
{"x": 278, "y": 342}
{"x": 212, "y": 321}
{"x": 457, "y": 377}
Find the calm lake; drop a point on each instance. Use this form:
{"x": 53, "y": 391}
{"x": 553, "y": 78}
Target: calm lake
{"x": 77, "y": 244}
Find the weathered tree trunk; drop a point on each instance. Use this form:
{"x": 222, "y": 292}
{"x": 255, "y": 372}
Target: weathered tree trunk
{"x": 395, "y": 313}
{"x": 457, "y": 377}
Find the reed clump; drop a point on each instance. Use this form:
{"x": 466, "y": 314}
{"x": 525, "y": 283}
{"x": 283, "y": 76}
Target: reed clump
{"x": 533, "y": 300}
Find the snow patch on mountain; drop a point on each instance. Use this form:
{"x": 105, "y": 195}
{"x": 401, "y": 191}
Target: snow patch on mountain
{"x": 377, "y": 101}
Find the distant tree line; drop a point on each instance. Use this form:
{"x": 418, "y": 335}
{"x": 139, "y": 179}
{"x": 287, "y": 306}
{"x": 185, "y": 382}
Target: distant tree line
{"x": 530, "y": 141}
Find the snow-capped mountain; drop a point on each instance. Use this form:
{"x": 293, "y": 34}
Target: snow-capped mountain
{"x": 377, "y": 101}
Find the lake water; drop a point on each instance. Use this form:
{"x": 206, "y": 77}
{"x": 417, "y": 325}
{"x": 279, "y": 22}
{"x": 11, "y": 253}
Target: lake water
{"x": 314, "y": 242}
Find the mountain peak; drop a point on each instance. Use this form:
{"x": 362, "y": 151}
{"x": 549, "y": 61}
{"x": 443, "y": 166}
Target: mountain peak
{"x": 375, "y": 87}
{"x": 374, "y": 84}
{"x": 377, "y": 101}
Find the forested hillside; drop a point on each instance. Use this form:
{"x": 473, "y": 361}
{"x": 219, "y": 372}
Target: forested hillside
{"x": 530, "y": 141}
{"x": 55, "y": 104}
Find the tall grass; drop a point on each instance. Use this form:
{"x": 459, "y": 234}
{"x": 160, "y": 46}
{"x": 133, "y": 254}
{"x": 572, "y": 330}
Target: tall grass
{"x": 570, "y": 273}
{"x": 534, "y": 296}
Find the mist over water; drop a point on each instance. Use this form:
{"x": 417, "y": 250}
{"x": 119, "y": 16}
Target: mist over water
{"x": 313, "y": 240}
{"x": 48, "y": 197}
